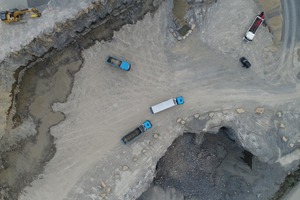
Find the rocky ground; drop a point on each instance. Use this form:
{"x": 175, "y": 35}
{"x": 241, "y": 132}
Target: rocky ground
{"x": 88, "y": 106}
{"x": 197, "y": 164}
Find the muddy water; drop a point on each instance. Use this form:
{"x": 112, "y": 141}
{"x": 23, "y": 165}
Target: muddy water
{"x": 179, "y": 11}
{"x": 44, "y": 83}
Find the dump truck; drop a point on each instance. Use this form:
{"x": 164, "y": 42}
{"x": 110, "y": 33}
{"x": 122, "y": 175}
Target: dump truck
{"x": 167, "y": 104}
{"x": 259, "y": 20}
{"x": 122, "y": 64}
{"x": 136, "y": 132}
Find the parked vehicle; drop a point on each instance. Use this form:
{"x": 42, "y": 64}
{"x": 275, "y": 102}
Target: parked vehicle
{"x": 245, "y": 62}
{"x": 167, "y": 104}
{"x": 122, "y": 64}
{"x": 136, "y": 132}
{"x": 254, "y": 27}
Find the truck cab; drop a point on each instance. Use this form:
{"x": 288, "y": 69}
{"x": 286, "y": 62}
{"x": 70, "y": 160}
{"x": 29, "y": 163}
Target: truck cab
{"x": 147, "y": 125}
{"x": 136, "y": 132}
{"x": 180, "y": 100}
{"x": 122, "y": 64}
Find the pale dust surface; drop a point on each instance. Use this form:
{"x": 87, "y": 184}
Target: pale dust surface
{"x": 294, "y": 194}
{"x": 106, "y": 103}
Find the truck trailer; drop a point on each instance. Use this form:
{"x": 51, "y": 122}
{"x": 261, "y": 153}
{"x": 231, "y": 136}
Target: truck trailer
{"x": 167, "y": 104}
{"x": 136, "y": 132}
{"x": 254, "y": 27}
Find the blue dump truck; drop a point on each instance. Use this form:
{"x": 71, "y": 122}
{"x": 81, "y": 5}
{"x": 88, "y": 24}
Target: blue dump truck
{"x": 167, "y": 104}
{"x": 122, "y": 64}
{"x": 136, "y": 132}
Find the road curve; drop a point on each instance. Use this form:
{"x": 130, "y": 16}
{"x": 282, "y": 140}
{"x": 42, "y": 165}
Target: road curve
{"x": 289, "y": 29}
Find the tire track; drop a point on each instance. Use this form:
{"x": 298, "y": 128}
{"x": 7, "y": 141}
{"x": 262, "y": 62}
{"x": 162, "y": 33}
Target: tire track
{"x": 289, "y": 36}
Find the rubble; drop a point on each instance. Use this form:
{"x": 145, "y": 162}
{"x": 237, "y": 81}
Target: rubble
{"x": 103, "y": 184}
{"x": 125, "y": 168}
{"x": 203, "y": 161}
{"x": 108, "y": 189}
{"x": 281, "y": 125}
{"x": 285, "y": 139}
{"x": 279, "y": 114}
{"x": 134, "y": 159}
{"x": 259, "y": 110}
{"x": 155, "y": 135}
{"x": 240, "y": 110}
{"x": 144, "y": 151}
{"x": 103, "y": 194}
{"x": 211, "y": 114}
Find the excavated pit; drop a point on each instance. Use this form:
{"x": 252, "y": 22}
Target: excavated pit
{"x": 197, "y": 164}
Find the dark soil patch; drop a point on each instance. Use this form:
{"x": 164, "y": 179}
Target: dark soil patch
{"x": 216, "y": 169}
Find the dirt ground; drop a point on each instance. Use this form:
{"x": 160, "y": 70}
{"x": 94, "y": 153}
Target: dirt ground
{"x": 106, "y": 103}
{"x": 46, "y": 81}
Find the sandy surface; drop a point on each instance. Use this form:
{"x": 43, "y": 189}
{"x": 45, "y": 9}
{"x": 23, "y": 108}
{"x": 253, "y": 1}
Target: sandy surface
{"x": 106, "y": 103}
{"x": 294, "y": 194}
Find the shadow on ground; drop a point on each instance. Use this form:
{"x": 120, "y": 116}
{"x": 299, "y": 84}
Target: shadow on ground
{"x": 212, "y": 167}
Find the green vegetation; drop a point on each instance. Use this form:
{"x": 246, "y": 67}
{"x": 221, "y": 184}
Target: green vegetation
{"x": 290, "y": 181}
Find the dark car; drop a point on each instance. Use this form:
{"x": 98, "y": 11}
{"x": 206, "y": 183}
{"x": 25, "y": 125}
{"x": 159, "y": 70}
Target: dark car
{"x": 245, "y": 62}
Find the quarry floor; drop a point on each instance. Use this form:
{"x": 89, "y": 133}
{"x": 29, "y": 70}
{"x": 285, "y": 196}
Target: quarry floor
{"x": 106, "y": 103}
